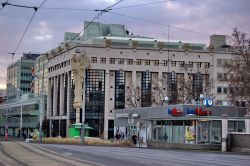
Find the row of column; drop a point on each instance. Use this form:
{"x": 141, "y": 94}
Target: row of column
{"x": 52, "y": 103}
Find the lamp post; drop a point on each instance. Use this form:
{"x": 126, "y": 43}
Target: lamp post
{"x": 41, "y": 107}
{"x": 83, "y": 108}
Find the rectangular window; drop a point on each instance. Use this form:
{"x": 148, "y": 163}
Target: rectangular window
{"x": 119, "y": 89}
{"x": 219, "y": 63}
{"x": 219, "y": 89}
{"x": 198, "y": 64}
{"x": 121, "y": 61}
{"x": 93, "y": 59}
{"x": 129, "y": 61}
{"x": 156, "y": 63}
{"x": 225, "y": 76}
{"x": 207, "y": 65}
{"x": 146, "y": 89}
{"x": 173, "y": 63}
{"x": 138, "y": 61}
{"x": 219, "y": 76}
{"x": 182, "y": 64}
{"x": 111, "y": 60}
{"x": 225, "y": 90}
{"x": 103, "y": 60}
{"x": 165, "y": 63}
{"x": 147, "y": 62}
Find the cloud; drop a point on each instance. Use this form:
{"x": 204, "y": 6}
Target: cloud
{"x": 44, "y": 37}
{"x": 48, "y": 27}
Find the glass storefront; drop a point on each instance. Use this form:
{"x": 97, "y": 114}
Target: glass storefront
{"x": 187, "y": 131}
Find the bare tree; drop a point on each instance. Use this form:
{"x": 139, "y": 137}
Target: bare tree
{"x": 133, "y": 97}
{"x": 238, "y": 69}
{"x": 186, "y": 84}
{"x": 159, "y": 91}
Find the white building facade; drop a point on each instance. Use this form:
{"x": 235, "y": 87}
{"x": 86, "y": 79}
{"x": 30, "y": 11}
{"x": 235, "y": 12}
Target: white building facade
{"x": 129, "y": 71}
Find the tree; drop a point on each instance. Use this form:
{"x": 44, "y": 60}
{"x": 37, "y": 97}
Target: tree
{"x": 159, "y": 92}
{"x": 134, "y": 97}
{"x": 238, "y": 68}
{"x": 192, "y": 83}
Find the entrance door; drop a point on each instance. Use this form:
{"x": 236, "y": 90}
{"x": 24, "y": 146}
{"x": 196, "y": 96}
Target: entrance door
{"x": 111, "y": 129}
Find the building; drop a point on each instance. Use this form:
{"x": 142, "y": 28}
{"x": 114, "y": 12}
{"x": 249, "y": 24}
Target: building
{"x": 20, "y": 115}
{"x": 180, "y": 126}
{"x": 21, "y": 110}
{"x": 127, "y": 71}
{"x": 19, "y": 76}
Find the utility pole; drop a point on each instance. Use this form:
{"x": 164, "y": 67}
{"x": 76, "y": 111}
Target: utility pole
{"x": 41, "y": 106}
{"x": 21, "y": 120}
{"x": 83, "y": 107}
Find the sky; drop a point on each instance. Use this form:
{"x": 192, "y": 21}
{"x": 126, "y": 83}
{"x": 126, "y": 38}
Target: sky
{"x": 178, "y": 20}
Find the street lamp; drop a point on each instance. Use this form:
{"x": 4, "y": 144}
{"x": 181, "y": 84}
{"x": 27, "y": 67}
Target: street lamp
{"x": 83, "y": 107}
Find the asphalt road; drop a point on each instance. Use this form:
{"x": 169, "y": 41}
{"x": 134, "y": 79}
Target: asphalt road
{"x": 122, "y": 156}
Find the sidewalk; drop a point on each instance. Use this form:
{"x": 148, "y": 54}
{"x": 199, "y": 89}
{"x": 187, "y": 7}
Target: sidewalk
{"x": 143, "y": 145}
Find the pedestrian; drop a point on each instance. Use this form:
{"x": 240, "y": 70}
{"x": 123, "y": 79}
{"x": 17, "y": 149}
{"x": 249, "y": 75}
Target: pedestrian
{"x": 134, "y": 137}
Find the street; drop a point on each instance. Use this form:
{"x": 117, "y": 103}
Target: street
{"x": 20, "y": 153}
{"x": 123, "y": 156}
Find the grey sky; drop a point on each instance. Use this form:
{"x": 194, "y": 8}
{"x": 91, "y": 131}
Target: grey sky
{"x": 47, "y": 29}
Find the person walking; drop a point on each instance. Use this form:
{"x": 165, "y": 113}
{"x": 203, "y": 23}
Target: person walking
{"x": 134, "y": 137}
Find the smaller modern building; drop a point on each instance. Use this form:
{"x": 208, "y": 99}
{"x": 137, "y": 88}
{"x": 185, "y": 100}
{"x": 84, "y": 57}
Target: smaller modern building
{"x": 21, "y": 116}
{"x": 179, "y": 126}
{"x": 19, "y": 76}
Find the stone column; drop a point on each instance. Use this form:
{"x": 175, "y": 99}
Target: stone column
{"x": 224, "y": 124}
{"x": 106, "y": 107}
{"x": 247, "y": 123}
{"x": 61, "y": 95}
{"x": 49, "y": 98}
{"x": 68, "y": 79}
{"x": 55, "y": 96}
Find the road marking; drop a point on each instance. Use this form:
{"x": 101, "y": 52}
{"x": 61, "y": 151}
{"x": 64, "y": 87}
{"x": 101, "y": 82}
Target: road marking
{"x": 77, "y": 159}
{"x": 67, "y": 153}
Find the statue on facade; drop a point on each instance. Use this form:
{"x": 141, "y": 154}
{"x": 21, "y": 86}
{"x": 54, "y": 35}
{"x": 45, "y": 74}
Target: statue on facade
{"x": 79, "y": 64}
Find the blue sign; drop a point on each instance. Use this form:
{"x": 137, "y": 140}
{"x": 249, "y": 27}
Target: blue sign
{"x": 208, "y": 102}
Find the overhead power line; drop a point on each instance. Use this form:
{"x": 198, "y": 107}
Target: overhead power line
{"x": 157, "y": 23}
{"x": 122, "y": 7}
{"x": 3, "y": 5}
{"x": 143, "y": 4}
{"x": 31, "y": 19}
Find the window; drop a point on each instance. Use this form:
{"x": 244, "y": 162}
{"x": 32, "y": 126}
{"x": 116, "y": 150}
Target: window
{"x": 103, "y": 60}
{"x": 173, "y": 63}
{"x": 219, "y": 76}
{"x": 119, "y": 89}
{"x": 111, "y": 60}
{"x": 225, "y": 90}
{"x": 138, "y": 61}
{"x": 165, "y": 63}
{"x": 198, "y": 64}
{"x": 93, "y": 59}
{"x": 156, "y": 63}
{"x": 146, "y": 89}
{"x": 190, "y": 64}
{"x": 219, "y": 62}
{"x": 182, "y": 63}
{"x": 130, "y": 61}
{"x": 226, "y": 76}
{"x": 121, "y": 61}
{"x": 219, "y": 89}
{"x": 207, "y": 65}
{"x": 147, "y": 62}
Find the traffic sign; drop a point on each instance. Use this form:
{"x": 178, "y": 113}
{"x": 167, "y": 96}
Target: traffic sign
{"x": 208, "y": 102}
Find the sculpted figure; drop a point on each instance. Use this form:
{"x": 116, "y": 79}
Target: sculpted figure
{"x": 79, "y": 64}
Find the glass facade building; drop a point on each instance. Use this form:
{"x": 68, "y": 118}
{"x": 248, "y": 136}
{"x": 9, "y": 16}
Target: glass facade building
{"x": 94, "y": 101}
